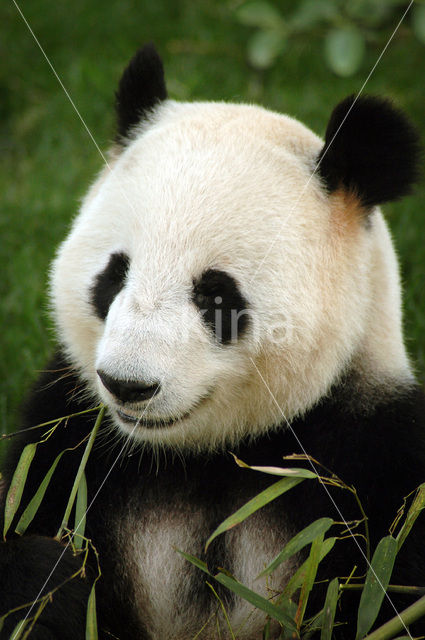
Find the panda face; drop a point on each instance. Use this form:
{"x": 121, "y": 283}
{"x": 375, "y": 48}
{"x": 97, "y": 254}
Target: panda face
{"x": 210, "y": 288}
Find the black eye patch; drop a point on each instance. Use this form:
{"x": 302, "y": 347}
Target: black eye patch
{"x": 223, "y": 308}
{"x": 109, "y": 283}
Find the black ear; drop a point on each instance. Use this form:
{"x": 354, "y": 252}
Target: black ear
{"x": 140, "y": 89}
{"x": 371, "y": 149}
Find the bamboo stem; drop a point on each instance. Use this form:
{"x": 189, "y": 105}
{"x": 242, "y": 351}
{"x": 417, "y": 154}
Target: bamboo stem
{"x": 394, "y": 588}
{"x": 398, "y": 623}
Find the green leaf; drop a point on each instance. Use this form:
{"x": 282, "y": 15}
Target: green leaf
{"x": 80, "y": 471}
{"x": 415, "y": 508}
{"x": 195, "y": 561}
{"x": 91, "y": 618}
{"x": 370, "y": 12}
{"x": 312, "y": 12}
{"x": 259, "y": 14}
{"x": 277, "y": 613}
{"x": 312, "y": 564}
{"x": 223, "y": 609}
{"x": 329, "y": 610}
{"x": 418, "y": 22}
{"x": 299, "y": 576}
{"x": 264, "y": 47}
{"x": 298, "y": 542}
{"x": 263, "y": 498}
{"x": 266, "y": 631}
{"x": 344, "y": 50}
{"x": 17, "y": 485}
{"x": 376, "y": 584}
{"x": 255, "y": 599}
{"x": 80, "y": 513}
{"x": 32, "y": 507}
{"x": 20, "y": 628}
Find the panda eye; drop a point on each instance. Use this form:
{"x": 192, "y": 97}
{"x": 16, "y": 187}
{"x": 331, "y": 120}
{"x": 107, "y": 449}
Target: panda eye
{"x": 108, "y": 283}
{"x": 223, "y": 307}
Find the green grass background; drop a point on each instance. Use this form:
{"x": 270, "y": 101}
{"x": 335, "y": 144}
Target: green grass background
{"x": 47, "y": 158}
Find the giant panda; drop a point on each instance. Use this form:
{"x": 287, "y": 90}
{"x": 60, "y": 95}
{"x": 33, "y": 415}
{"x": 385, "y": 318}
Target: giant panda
{"x": 228, "y": 286}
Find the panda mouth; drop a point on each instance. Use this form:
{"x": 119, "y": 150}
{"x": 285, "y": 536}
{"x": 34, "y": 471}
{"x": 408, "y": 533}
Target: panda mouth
{"x": 159, "y": 423}
{"x": 156, "y": 423}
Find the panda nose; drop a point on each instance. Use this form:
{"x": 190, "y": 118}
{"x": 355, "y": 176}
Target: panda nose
{"x": 128, "y": 390}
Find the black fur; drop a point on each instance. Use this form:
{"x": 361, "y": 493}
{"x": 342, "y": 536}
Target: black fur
{"x": 380, "y": 450}
{"x": 222, "y": 305}
{"x": 141, "y": 88}
{"x": 370, "y": 149}
{"x": 25, "y": 565}
{"x": 109, "y": 283}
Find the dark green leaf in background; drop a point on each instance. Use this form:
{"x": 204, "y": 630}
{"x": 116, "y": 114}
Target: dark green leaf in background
{"x": 418, "y": 21}
{"x": 259, "y": 14}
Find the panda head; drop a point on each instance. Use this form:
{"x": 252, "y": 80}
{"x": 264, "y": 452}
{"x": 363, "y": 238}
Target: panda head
{"x": 227, "y": 267}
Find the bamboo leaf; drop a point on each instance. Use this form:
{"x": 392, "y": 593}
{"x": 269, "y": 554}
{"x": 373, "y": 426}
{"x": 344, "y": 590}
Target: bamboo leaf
{"x": 32, "y": 507}
{"x": 299, "y": 576}
{"x": 415, "y": 508}
{"x": 223, "y": 608}
{"x": 80, "y": 472}
{"x": 17, "y": 485}
{"x": 290, "y": 472}
{"x": 376, "y": 584}
{"x": 298, "y": 542}
{"x": 20, "y": 628}
{"x": 266, "y": 631}
{"x": 255, "y": 599}
{"x": 80, "y": 513}
{"x": 91, "y": 618}
{"x": 195, "y": 561}
{"x": 263, "y": 498}
{"x": 329, "y": 610}
{"x": 275, "y": 612}
{"x": 312, "y": 564}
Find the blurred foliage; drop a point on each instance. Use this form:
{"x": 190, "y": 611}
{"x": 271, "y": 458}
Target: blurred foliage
{"x": 346, "y": 28}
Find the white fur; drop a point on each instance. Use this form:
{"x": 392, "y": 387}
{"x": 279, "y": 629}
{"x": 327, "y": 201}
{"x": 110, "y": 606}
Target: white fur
{"x": 166, "y": 584}
{"x": 210, "y": 185}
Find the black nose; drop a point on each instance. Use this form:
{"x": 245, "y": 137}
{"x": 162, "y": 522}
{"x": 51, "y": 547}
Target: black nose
{"x": 128, "y": 390}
